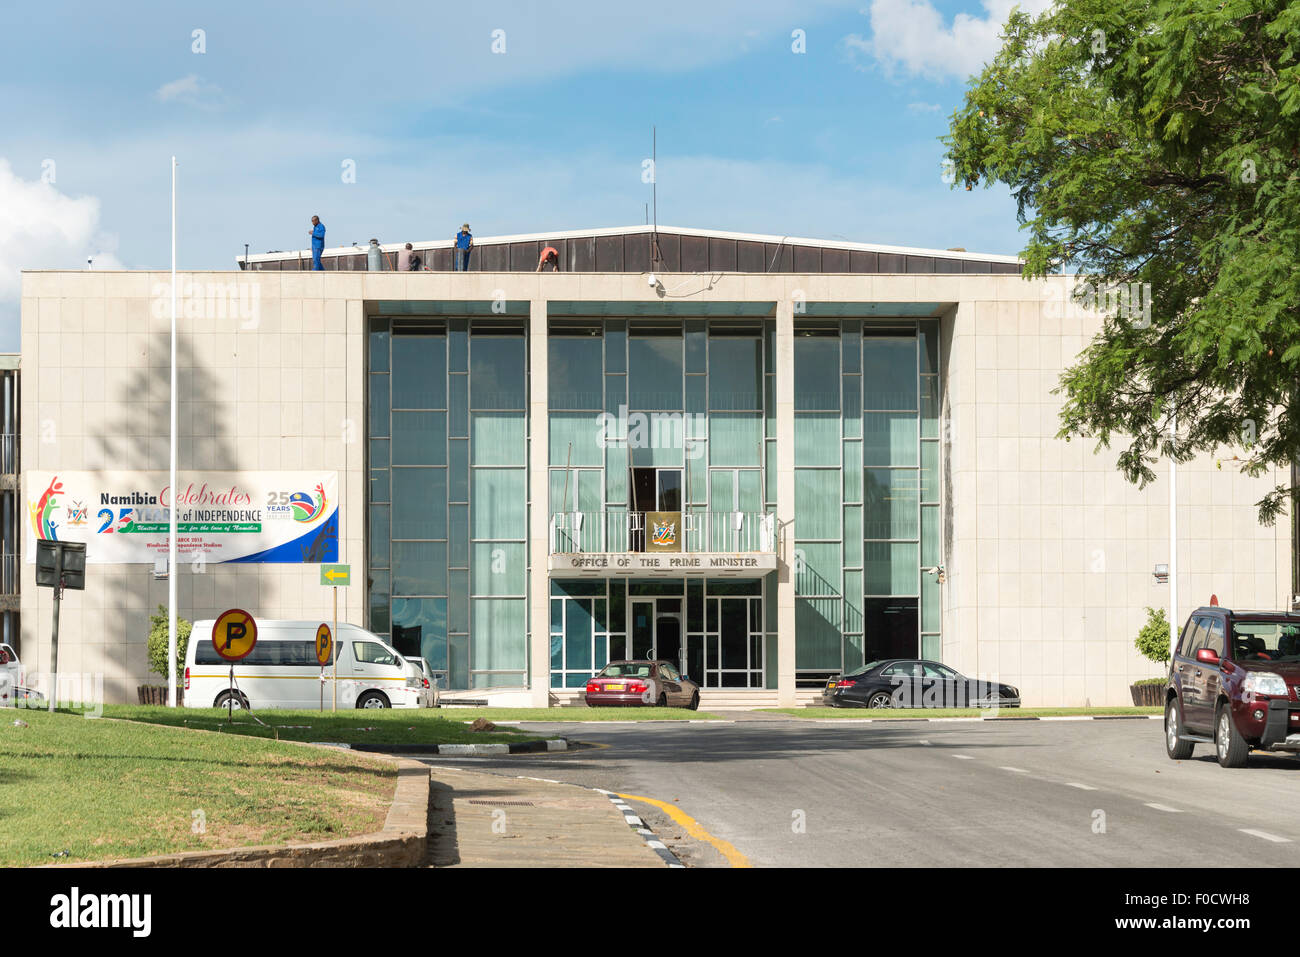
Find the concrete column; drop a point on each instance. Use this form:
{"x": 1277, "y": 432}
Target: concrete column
{"x": 539, "y": 586}
{"x": 785, "y": 686}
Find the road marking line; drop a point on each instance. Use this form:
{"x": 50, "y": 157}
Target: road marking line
{"x": 923, "y": 741}
{"x": 1081, "y": 787}
{"x": 1265, "y": 835}
{"x": 693, "y": 828}
{"x": 1165, "y": 807}
{"x": 963, "y": 757}
{"x": 1007, "y": 767}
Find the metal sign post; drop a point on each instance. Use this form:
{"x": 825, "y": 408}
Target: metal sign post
{"x": 335, "y": 576}
{"x": 234, "y": 634}
{"x": 59, "y": 565}
{"x": 324, "y": 652}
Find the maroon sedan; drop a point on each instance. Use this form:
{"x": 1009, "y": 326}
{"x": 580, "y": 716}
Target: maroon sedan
{"x": 642, "y": 683}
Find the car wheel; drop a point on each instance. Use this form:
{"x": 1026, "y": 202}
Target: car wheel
{"x": 880, "y": 699}
{"x": 1230, "y": 746}
{"x": 695, "y": 702}
{"x": 662, "y": 702}
{"x": 1178, "y": 747}
{"x": 225, "y": 699}
{"x": 373, "y": 699}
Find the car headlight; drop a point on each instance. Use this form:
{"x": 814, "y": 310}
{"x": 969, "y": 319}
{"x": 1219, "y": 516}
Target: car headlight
{"x": 1265, "y": 682}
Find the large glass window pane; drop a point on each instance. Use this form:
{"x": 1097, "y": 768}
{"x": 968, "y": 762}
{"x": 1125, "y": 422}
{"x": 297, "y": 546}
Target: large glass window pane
{"x": 498, "y": 438}
{"x": 615, "y": 346}
{"x": 496, "y": 372}
{"x": 497, "y": 505}
{"x": 576, "y": 438}
{"x": 735, "y": 373}
{"x": 735, "y": 438}
{"x": 818, "y": 567}
{"x": 816, "y": 372}
{"x": 889, "y": 438}
{"x": 853, "y": 471}
{"x": 458, "y": 414}
{"x": 379, "y": 407}
{"x": 500, "y": 635}
{"x": 419, "y": 372}
{"x": 655, "y": 373}
{"x": 931, "y": 610}
{"x": 419, "y": 568}
{"x": 458, "y": 345}
{"x": 853, "y": 536}
{"x": 577, "y": 634}
{"x": 420, "y": 503}
{"x": 380, "y": 598}
{"x": 379, "y": 536}
{"x": 696, "y": 345}
{"x": 419, "y": 438}
{"x": 851, "y": 333}
{"x": 750, "y": 490}
{"x": 817, "y": 503}
{"x": 817, "y": 626}
{"x": 378, "y": 345}
{"x": 458, "y": 555}
{"x": 420, "y": 624}
{"x": 889, "y": 498}
{"x": 457, "y": 600}
{"x": 930, "y": 406}
{"x": 458, "y": 469}
{"x": 574, "y": 373}
{"x": 817, "y": 439}
{"x": 888, "y": 372}
{"x": 890, "y": 568}
{"x": 929, "y": 471}
{"x": 930, "y": 550}
{"x": 615, "y": 474}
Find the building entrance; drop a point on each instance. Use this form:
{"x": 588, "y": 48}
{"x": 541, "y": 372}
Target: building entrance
{"x": 722, "y": 649}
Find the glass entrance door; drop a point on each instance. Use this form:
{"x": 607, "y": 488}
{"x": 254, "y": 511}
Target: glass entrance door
{"x": 657, "y": 630}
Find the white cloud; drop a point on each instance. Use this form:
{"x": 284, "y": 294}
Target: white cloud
{"x": 924, "y": 107}
{"x": 911, "y": 36}
{"x": 191, "y": 90}
{"x": 43, "y": 229}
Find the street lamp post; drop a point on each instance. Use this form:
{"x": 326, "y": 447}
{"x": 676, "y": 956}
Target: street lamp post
{"x": 171, "y": 511}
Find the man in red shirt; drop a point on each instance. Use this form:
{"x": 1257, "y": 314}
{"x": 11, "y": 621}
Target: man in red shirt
{"x": 550, "y": 257}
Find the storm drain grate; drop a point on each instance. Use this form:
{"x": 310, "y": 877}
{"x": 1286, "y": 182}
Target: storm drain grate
{"x": 508, "y": 803}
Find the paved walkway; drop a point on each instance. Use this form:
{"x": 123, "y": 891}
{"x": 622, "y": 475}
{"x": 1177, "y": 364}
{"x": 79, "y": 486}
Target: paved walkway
{"x": 495, "y": 820}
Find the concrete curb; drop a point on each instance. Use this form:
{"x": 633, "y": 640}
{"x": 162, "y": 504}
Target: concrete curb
{"x": 401, "y": 843}
{"x": 635, "y": 823}
{"x": 460, "y": 750}
{"x": 1069, "y": 717}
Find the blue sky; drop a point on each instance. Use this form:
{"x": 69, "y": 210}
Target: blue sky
{"x": 840, "y": 141}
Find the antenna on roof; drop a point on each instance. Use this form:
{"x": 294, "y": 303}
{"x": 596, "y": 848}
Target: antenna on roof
{"x": 656, "y": 257}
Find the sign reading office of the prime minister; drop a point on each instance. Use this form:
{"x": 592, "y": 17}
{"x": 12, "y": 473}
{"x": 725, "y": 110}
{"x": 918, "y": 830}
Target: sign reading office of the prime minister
{"x": 123, "y": 517}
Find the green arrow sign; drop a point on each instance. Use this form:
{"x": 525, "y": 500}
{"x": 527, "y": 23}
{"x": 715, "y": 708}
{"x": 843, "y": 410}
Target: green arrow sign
{"x": 336, "y": 574}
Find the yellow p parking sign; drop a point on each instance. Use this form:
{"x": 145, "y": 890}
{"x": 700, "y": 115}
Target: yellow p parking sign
{"x": 324, "y": 644}
{"x": 234, "y": 634}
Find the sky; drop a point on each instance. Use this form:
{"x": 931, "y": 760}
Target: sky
{"x": 814, "y": 118}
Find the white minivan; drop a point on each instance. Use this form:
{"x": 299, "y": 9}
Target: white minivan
{"x": 282, "y": 670}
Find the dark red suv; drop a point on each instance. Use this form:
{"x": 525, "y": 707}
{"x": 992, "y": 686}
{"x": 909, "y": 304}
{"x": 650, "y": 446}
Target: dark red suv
{"x": 1233, "y": 683}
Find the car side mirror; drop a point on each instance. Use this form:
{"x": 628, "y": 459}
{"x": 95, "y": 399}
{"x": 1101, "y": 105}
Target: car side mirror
{"x": 1207, "y": 655}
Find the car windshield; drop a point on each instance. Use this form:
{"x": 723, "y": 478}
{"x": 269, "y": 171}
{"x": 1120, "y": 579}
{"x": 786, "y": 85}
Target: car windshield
{"x": 625, "y": 669}
{"x": 1266, "y": 640}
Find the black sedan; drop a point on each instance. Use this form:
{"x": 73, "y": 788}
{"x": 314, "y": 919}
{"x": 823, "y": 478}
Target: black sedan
{"x": 914, "y": 683}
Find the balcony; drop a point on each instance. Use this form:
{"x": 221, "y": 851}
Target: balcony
{"x": 619, "y": 542}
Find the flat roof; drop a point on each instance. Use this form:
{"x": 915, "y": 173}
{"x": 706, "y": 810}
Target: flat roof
{"x": 561, "y": 235}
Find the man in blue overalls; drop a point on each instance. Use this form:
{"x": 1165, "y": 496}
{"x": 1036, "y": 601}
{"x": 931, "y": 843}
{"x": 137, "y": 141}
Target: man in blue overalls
{"x": 460, "y": 254}
{"x": 317, "y": 242}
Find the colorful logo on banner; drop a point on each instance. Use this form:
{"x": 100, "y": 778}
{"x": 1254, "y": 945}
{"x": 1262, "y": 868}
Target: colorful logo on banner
{"x": 305, "y": 508}
{"x": 44, "y": 510}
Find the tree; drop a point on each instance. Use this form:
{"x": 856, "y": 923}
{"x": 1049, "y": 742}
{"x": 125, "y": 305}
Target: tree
{"x": 1159, "y": 142}
{"x": 1152, "y": 641}
{"x": 158, "y": 642}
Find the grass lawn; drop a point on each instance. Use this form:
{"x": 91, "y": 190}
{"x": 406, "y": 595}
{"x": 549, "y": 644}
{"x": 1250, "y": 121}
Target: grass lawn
{"x": 887, "y": 713}
{"x": 100, "y": 789}
{"x": 349, "y": 726}
{"x": 576, "y": 714}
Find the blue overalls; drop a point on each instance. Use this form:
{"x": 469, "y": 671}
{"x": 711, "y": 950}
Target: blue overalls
{"x": 317, "y": 245}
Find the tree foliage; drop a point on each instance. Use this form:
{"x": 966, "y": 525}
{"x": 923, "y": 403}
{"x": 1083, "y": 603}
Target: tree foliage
{"x": 1159, "y": 142}
{"x": 158, "y": 642}
{"x": 1153, "y": 638}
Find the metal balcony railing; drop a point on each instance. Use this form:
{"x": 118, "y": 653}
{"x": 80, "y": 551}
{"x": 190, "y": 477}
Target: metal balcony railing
{"x": 11, "y": 570}
{"x": 621, "y": 530}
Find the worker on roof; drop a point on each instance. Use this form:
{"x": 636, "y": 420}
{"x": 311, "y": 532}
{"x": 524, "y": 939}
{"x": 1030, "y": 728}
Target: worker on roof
{"x": 550, "y": 257}
{"x": 460, "y": 252}
{"x": 317, "y": 242}
{"x": 407, "y": 260}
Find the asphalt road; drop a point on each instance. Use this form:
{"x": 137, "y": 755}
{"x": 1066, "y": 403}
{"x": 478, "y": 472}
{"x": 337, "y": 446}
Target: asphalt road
{"x": 793, "y": 792}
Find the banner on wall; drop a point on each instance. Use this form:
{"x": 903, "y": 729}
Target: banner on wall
{"x": 123, "y": 517}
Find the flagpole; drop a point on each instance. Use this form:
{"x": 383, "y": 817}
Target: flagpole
{"x": 171, "y": 510}
{"x": 1174, "y": 623}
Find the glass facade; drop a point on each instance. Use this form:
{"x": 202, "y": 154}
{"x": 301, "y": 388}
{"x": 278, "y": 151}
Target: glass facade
{"x": 660, "y": 416}
{"x": 448, "y": 500}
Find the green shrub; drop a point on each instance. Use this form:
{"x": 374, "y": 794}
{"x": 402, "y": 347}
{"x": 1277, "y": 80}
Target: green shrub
{"x": 158, "y": 642}
{"x": 1153, "y": 640}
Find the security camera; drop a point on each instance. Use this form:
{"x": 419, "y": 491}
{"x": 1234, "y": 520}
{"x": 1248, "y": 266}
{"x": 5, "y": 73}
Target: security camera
{"x": 651, "y": 280}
